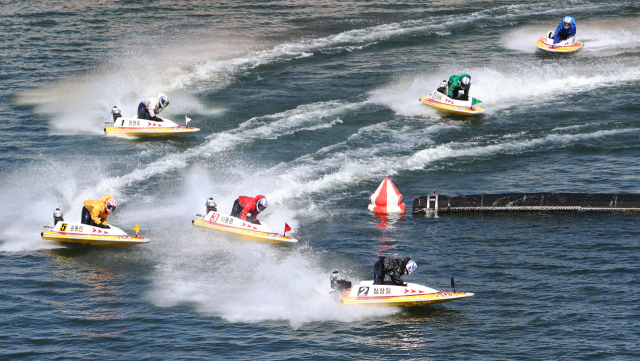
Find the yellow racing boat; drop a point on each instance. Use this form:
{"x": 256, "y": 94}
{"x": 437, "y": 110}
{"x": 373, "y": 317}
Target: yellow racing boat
{"x": 390, "y": 294}
{"x": 79, "y": 233}
{"x": 146, "y": 128}
{"x": 445, "y": 104}
{"x": 260, "y": 232}
{"x": 567, "y": 46}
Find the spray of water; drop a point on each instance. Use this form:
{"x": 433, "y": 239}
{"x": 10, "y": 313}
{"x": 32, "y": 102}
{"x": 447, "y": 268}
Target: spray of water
{"x": 602, "y": 38}
{"x": 505, "y": 85}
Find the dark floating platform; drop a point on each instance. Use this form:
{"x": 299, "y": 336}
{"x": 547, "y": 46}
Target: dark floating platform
{"x": 527, "y": 202}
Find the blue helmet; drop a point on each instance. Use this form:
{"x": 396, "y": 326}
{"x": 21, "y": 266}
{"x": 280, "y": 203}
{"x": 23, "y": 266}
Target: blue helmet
{"x": 567, "y": 22}
{"x": 411, "y": 267}
{"x": 261, "y": 205}
{"x": 164, "y": 100}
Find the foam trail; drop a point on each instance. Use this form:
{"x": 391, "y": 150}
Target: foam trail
{"x": 360, "y": 38}
{"x": 332, "y": 169}
{"x": 601, "y": 37}
{"x": 69, "y": 194}
{"x": 277, "y": 284}
{"x": 28, "y": 203}
{"x": 81, "y": 104}
{"x": 505, "y": 85}
{"x": 343, "y": 169}
{"x": 267, "y": 283}
{"x": 347, "y": 163}
{"x": 304, "y": 118}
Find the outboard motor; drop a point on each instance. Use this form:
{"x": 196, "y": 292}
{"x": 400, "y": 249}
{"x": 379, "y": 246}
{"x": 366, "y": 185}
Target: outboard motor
{"x": 211, "y": 205}
{"x": 116, "y": 113}
{"x": 443, "y": 87}
{"x": 57, "y": 216}
{"x": 339, "y": 283}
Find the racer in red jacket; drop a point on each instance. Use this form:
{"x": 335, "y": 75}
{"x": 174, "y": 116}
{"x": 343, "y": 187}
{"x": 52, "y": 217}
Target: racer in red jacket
{"x": 245, "y": 205}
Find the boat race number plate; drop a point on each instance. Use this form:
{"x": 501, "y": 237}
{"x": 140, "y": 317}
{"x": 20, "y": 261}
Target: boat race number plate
{"x": 215, "y": 217}
{"x": 363, "y": 291}
{"x": 63, "y": 227}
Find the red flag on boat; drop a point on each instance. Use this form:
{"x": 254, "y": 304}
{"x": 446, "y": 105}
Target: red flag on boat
{"x": 286, "y": 227}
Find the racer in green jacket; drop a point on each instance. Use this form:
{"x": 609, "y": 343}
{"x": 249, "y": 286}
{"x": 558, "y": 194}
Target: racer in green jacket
{"x": 456, "y": 84}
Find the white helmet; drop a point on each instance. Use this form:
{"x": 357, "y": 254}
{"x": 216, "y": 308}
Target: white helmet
{"x": 261, "y": 205}
{"x": 568, "y": 21}
{"x": 464, "y": 82}
{"x": 411, "y": 267}
{"x": 164, "y": 100}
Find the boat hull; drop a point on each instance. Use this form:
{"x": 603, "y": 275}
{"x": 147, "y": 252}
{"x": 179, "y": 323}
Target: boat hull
{"x": 241, "y": 229}
{"x": 389, "y": 294}
{"x": 445, "y": 104}
{"x": 71, "y": 232}
{"x": 93, "y": 240}
{"x": 542, "y": 45}
{"x": 151, "y": 132}
{"x": 147, "y": 128}
{"x": 408, "y": 301}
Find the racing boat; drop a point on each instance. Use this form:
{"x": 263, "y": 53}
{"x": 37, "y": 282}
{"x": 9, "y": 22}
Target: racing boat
{"x": 143, "y": 127}
{"x": 448, "y": 105}
{"x": 567, "y": 46}
{"x": 76, "y": 232}
{"x": 389, "y": 294}
{"x": 260, "y": 232}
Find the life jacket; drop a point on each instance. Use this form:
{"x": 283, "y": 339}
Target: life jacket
{"x": 249, "y": 205}
{"x": 98, "y": 210}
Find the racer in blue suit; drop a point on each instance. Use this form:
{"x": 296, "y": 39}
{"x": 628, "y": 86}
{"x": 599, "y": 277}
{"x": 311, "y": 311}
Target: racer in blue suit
{"x": 566, "y": 30}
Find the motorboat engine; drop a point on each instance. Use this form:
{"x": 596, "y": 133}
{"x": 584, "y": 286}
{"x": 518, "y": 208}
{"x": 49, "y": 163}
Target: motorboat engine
{"x": 339, "y": 283}
{"x": 116, "y": 113}
{"x": 443, "y": 87}
{"x": 57, "y": 216}
{"x": 211, "y": 205}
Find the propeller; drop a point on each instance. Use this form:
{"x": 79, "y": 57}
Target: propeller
{"x": 137, "y": 229}
{"x": 453, "y": 284}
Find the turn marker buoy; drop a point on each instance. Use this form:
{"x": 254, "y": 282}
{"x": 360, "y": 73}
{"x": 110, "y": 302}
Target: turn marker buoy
{"x": 387, "y": 199}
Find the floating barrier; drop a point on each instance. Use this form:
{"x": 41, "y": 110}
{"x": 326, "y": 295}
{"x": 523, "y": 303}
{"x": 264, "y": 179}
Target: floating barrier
{"x": 387, "y": 199}
{"x": 526, "y": 202}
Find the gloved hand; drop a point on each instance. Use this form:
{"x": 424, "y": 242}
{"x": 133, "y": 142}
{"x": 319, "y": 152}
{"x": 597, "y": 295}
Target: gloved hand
{"x": 157, "y": 119}
{"x": 255, "y": 221}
